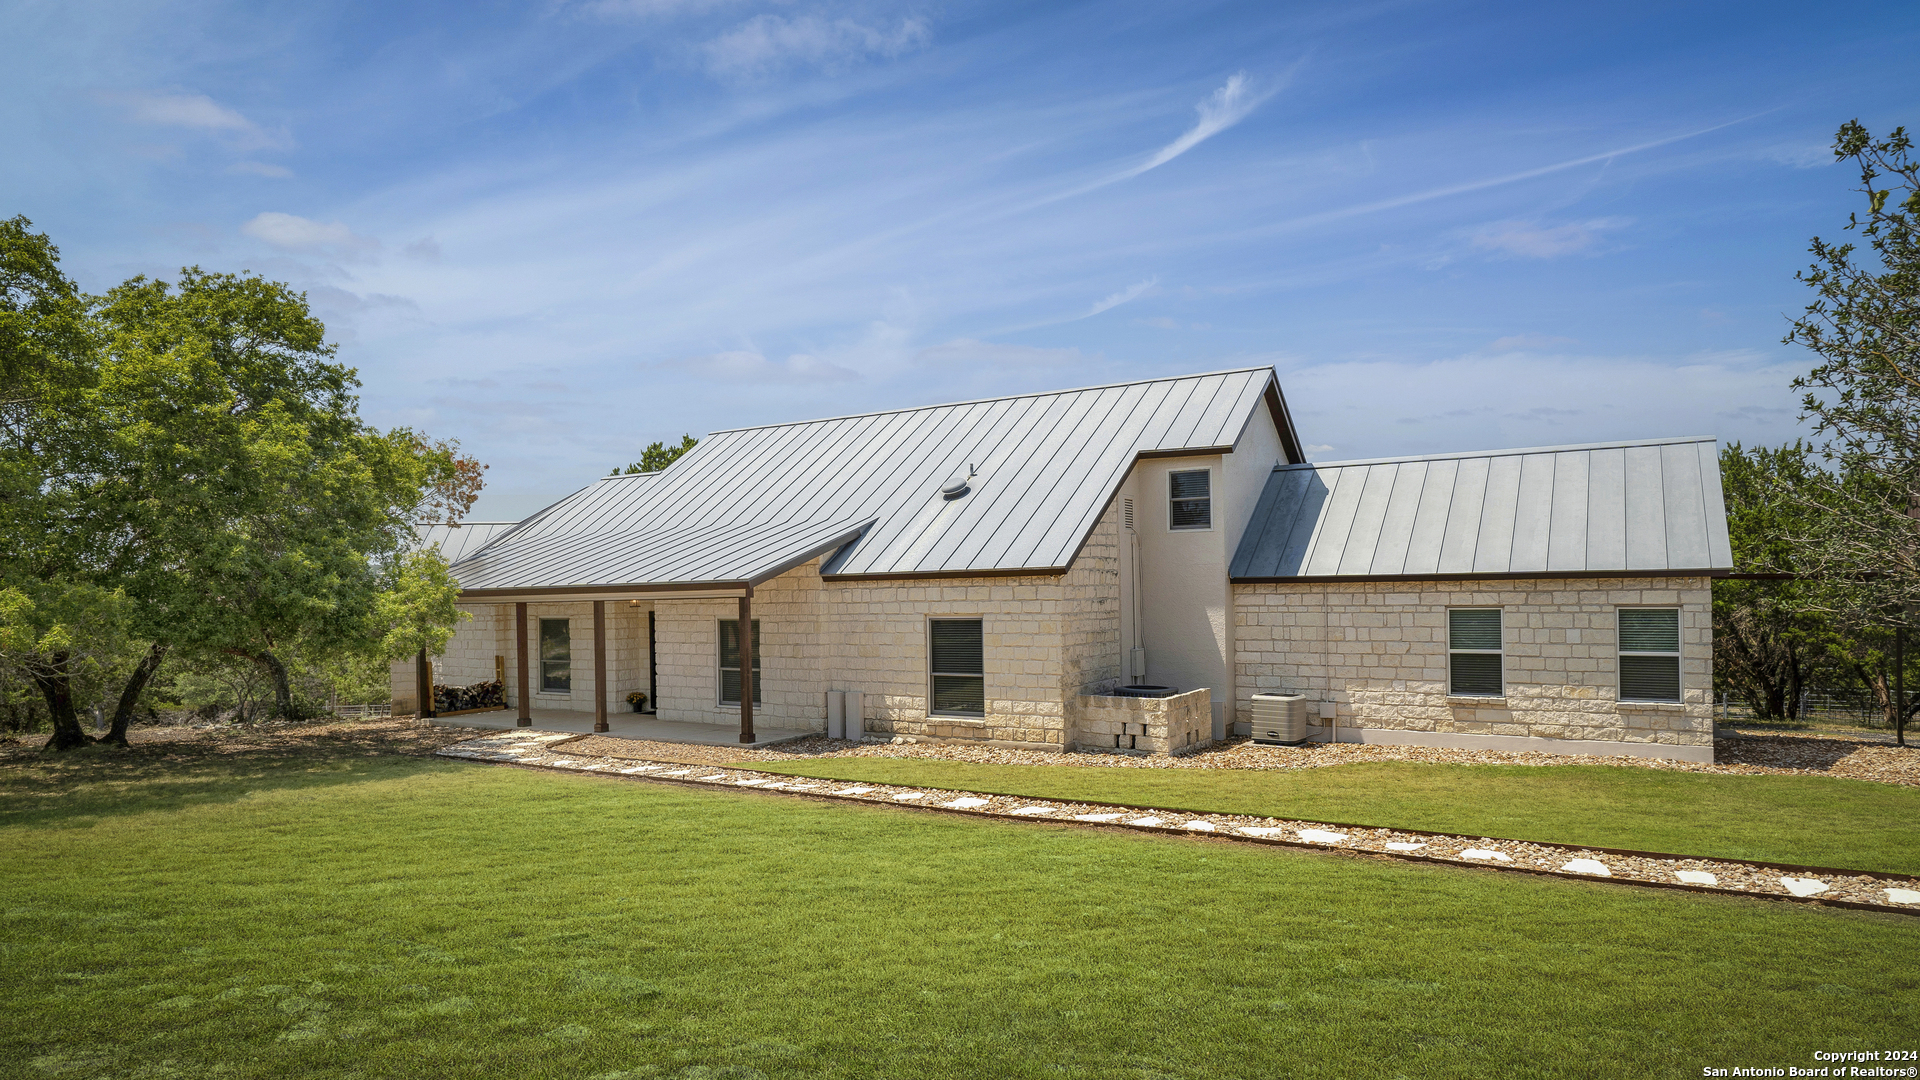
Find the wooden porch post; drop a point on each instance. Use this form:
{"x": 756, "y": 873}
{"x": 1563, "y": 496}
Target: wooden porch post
{"x": 746, "y": 666}
{"x": 600, "y": 665}
{"x": 525, "y": 689}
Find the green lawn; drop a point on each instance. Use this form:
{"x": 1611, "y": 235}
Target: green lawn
{"x": 359, "y": 914}
{"x": 1805, "y": 820}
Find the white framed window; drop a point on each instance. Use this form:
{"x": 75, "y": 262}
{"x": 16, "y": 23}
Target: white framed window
{"x": 1474, "y": 661}
{"x": 730, "y": 661}
{"x": 1190, "y": 499}
{"x": 956, "y": 667}
{"x": 1649, "y": 654}
{"x": 556, "y": 656}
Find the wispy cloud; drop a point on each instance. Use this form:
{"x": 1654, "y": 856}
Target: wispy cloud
{"x": 1533, "y": 241}
{"x": 1131, "y": 292}
{"x": 766, "y": 43}
{"x": 194, "y": 112}
{"x": 750, "y": 366}
{"x": 1528, "y": 342}
{"x": 260, "y": 168}
{"x": 969, "y": 351}
{"x": 1221, "y": 110}
{"x": 290, "y": 232}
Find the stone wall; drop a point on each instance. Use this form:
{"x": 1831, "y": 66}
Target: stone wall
{"x": 1161, "y": 725}
{"x": 1378, "y": 651}
{"x": 470, "y": 655}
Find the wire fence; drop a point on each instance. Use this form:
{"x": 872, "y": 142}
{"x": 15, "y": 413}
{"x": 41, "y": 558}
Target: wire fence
{"x": 1818, "y": 708}
{"x": 358, "y": 712}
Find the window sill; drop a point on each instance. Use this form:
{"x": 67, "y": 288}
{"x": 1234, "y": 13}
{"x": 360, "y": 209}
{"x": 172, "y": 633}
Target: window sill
{"x": 1476, "y": 699}
{"x": 968, "y": 720}
{"x": 553, "y": 693}
{"x": 1660, "y": 706}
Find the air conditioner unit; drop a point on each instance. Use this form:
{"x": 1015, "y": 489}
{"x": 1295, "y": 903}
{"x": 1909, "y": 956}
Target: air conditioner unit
{"x": 1280, "y": 719}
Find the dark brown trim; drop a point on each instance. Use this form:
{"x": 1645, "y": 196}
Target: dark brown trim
{"x": 523, "y": 716}
{"x": 1196, "y": 451}
{"x": 1556, "y": 575}
{"x": 600, "y": 666}
{"x": 535, "y": 593}
{"x": 744, "y": 635}
{"x": 1050, "y": 571}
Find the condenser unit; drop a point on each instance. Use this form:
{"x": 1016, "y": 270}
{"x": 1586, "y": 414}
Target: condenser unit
{"x": 1280, "y": 719}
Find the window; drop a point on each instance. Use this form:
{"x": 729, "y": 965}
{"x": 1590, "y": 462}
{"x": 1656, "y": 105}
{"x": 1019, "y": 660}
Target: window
{"x": 1473, "y": 653}
{"x": 1649, "y": 654}
{"x": 556, "y": 656}
{"x": 956, "y": 660}
{"x": 1190, "y": 503}
{"x": 730, "y": 661}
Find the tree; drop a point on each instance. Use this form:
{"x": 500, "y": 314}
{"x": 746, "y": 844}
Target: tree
{"x": 658, "y": 456}
{"x": 255, "y": 512}
{"x": 1767, "y": 641}
{"x": 1864, "y": 399}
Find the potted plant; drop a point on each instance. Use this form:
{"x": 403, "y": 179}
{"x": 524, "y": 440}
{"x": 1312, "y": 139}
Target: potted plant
{"x": 637, "y": 699}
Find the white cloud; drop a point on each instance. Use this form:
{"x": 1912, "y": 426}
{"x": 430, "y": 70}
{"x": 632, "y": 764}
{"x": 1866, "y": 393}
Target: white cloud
{"x": 195, "y": 112}
{"x": 260, "y": 168}
{"x": 1221, "y": 110}
{"x": 1528, "y": 342}
{"x": 654, "y": 8}
{"x": 1131, "y": 292}
{"x": 969, "y": 351}
{"x": 292, "y": 233}
{"x": 749, "y": 366}
{"x": 1532, "y": 241}
{"x": 767, "y": 42}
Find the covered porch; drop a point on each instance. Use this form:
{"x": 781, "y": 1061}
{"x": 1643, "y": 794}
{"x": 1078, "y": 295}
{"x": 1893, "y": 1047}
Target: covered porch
{"x": 625, "y": 726}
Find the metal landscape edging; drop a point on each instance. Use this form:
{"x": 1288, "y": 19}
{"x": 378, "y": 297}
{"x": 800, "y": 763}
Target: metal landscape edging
{"x": 1302, "y": 845}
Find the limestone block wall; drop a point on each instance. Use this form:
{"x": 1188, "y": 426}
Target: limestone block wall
{"x": 1378, "y": 651}
{"x": 792, "y": 648}
{"x": 469, "y": 655}
{"x": 1090, "y": 614}
{"x": 1162, "y": 725}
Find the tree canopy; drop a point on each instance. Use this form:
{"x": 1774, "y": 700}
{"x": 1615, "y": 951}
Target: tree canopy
{"x": 658, "y": 456}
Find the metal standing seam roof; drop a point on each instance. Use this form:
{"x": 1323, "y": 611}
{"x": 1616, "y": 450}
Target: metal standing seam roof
{"x": 749, "y": 499}
{"x": 456, "y": 542}
{"x": 1609, "y": 508}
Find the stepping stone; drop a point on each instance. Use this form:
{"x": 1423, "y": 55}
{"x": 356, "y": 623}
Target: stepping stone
{"x": 1260, "y": 830}
{"x": 718, "y": 776}
{"x": 853, "y": 791}
{"x": 641, "y": 768}
{"x": 595, "y": 765}
{"x": 909, "y": 796}
{"x": 677, "y": 772}
{"x": 1149, "y": 822}
{"x": 1587, "y": 866}
{"x": 1033, "y": 811}
{"x": 750, "y": 782}
{"x": 1696, "y": 877}
{"x": 1200, "y": 826}
{"x": 1321, "y": 836}
{"x": 1481, "y": 853}
{"x": 1903, "y": 896}
{"x": 1097, "y": 817}
{"x": 1401, "y": 845}
{"x": 964, "y": 804}
{"x": 801, "y": 787}
{"x": 1803, "y": 886}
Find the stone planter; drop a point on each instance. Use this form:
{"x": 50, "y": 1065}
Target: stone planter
{"x": 1157, "y": 725}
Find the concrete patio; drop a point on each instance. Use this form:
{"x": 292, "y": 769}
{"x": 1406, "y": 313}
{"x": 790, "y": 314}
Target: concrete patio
{"x": 628, "y": 726}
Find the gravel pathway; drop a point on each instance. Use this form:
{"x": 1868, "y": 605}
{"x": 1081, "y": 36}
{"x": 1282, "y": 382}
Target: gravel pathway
{"x": 1852, "y": 888}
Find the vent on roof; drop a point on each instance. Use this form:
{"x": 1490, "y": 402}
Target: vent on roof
{"x": 957, "y": 486}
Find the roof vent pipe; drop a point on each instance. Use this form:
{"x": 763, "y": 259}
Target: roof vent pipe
{"x": 957, "y": 486}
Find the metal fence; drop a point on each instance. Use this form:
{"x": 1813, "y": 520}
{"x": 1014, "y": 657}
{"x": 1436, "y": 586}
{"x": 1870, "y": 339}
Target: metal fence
{"x": 356, "y": 712}
{"x": 1836, "y": 708}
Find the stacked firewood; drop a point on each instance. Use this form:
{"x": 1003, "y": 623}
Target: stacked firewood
{"x": 480, "y": 695}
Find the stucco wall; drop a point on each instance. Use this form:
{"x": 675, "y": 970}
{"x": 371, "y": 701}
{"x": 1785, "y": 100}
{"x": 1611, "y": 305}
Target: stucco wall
{"x": 1183, "y": 581}
{"x": 1378, "y": 650}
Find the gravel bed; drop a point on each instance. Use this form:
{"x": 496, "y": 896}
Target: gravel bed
{"x": 585, "y": 755}
{"x": 1774, "y": 753}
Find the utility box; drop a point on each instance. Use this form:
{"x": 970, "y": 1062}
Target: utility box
{"x": 1280, "y": 719}
{"x": 855, "y": 711}
{"x": 836, "y": 715}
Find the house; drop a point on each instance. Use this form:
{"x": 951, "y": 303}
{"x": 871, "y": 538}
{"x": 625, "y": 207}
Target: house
{"x": 990, "y": 571}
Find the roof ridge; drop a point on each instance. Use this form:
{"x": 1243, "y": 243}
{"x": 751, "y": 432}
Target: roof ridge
{"x": 1002, "y": 397}
{"x": 1513, "y": 452}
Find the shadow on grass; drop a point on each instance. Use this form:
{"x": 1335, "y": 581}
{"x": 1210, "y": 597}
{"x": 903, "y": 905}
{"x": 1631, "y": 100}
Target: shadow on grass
{"x": 74, "y": 789}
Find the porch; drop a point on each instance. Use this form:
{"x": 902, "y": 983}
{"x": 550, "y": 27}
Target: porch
{"x": 626, "y": 726}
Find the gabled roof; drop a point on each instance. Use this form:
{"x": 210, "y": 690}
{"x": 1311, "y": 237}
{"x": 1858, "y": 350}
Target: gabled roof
{"x": 1044, "y": 468}
{"x": 1651, "y": 507}
{"x": 458, "y": 541}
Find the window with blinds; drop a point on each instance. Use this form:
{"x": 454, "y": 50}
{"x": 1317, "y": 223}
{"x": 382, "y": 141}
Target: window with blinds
{"x": 957, "y": 667}
{"x": 1649, "y": 654}
{"x": 1473, "y": 653}
{"x": 556, "y": 656}
{"x": 1190, "y": 500}
{"x": 730, "y": 661}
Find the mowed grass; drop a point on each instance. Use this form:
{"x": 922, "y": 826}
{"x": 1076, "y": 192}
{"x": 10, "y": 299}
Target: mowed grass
{"x": 389, "y": 916}
{"x": 1803, "y": 820}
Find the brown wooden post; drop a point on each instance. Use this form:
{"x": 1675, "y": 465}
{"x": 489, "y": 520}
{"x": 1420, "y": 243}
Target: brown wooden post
{"x": 746, "y": 666}
{"x": 600, "y": 665}
{"x": 423, "y": 684}
{"x": 525, "y": 689}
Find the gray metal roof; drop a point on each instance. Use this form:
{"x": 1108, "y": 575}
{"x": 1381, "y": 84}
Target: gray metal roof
{"x": 1652, "y": 506}
{"x": 1046, "y": 466}
{"x": 458, "y": 541}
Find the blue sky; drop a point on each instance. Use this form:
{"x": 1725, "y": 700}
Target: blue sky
{"x": 560, "y": 230}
